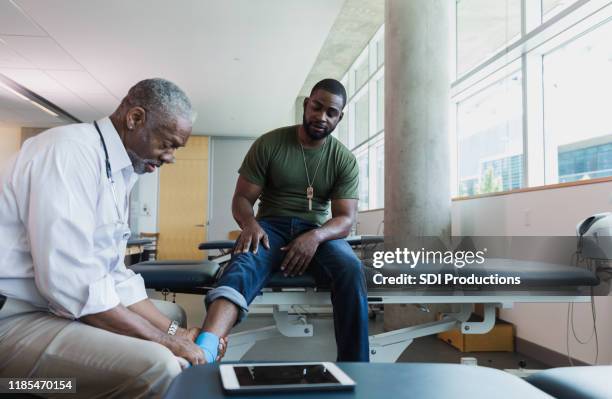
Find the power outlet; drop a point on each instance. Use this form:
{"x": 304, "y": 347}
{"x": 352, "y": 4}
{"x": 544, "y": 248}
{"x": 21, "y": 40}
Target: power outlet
{"x": 527, "y": 218}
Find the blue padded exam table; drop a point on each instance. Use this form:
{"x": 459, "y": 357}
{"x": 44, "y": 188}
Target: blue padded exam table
{"x": 592, "y": 382}
{"x": 541, "y": 283}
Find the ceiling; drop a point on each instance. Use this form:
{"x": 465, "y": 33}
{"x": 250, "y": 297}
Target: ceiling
{"x": 17, "y": 112}
{"x": 242, "y": 62}
{"x": 357, "y": 23}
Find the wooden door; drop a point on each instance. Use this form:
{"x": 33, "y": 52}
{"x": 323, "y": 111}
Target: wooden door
{"x": 183, "y": 202}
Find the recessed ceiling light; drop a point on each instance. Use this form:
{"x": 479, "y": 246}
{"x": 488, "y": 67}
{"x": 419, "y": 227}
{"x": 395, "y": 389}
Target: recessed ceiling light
{"x": 44, "y": 108}
{"x": 14, "y": 92}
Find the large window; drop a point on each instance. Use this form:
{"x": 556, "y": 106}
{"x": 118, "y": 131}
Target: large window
{"x": 578, "y": 107}
{"x": 341, "y": 132}
{"x": 362, "y": 73}
{"x": 532, "y": 93}
{"x": 377, "y": 160}
{"x": 485, "y": 27}
{"x": 380, "y": 104}
{"x": 361, "y": 112}
{"x": 362, "y": 128}
{"x": 532, "y": 98}
{"x": 550, "y": 8}
{"x": 364, "y": 178}
{"x": 490, "y": 138}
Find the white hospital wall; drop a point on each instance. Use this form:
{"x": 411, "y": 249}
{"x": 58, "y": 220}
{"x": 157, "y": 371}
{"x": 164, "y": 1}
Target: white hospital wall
{"x": 552, "y": 212}
{"x": 226, "y": 155}
{"x": 10, "y": 141}
{"x": 144, "y": 202}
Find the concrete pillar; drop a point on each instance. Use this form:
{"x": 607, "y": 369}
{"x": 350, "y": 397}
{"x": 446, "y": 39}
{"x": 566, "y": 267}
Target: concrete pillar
{"x": 417, "y": 157}
{"x": 417, "y": 93}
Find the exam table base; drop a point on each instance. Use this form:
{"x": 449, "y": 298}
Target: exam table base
{"x": 384, "y": 347}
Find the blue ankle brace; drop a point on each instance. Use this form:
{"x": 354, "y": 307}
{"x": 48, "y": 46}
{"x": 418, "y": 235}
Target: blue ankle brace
{"x": 209, "y": 343}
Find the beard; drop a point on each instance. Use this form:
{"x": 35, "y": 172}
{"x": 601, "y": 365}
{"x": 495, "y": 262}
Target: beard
{"x": 314, "y": 134}
{"x": 140, "y": 164}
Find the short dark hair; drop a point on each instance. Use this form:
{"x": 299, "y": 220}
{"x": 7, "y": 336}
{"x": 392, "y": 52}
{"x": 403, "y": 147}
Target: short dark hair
{"x": 331, "y": 86}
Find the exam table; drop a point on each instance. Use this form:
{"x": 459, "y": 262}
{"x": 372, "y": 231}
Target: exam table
{"x": 540, "y": 283}
{"x": 425, "y": 381}
{"x": 390, "y": 380}
{"x": 574, "y": 382}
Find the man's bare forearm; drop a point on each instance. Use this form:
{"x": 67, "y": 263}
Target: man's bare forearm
{"x": 242, "y": 210}
{"x": 148, "y": 311}
{"x": 335, "y": 228}
{"x": 123, "y": 321}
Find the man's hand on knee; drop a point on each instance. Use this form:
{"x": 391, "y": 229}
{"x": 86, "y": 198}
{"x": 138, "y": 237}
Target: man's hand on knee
{"x": 300, "y": 252}
{"x": 249, "y": 239}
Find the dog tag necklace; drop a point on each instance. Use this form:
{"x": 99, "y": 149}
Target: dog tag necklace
{"x": 310, "y": 189}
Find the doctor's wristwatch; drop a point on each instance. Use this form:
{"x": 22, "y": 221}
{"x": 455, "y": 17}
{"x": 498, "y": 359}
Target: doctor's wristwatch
{"x": 173, "y": 327}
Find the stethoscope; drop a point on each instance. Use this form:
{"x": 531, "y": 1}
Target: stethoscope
{"x": 109, "y": 175}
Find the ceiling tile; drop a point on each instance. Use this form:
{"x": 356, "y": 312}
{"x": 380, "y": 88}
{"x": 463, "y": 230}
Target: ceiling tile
{"x": 78, "y": 82}
{"x": 14, "y": 22}
{"x": 42, "y": 52}
{"x": 33, "y": 79}
{"x": 10, "y": 59}
{"x": 104, "y": 103}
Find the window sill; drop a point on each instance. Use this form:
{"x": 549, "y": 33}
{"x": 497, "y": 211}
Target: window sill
{"x": 371, "y": 210}
{"x": 537, "y": 188}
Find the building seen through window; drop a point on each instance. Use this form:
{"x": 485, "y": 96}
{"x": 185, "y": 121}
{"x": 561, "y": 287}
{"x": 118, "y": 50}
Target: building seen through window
{"x": 489, "y": 139}
{"x": 578, "y": 107}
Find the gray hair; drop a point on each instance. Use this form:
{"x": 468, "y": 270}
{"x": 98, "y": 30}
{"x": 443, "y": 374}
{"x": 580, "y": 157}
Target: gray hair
{"x": 162, "y": 98}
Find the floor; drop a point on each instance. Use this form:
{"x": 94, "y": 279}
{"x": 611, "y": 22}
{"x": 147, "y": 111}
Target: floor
{"x": 322, "y": 347}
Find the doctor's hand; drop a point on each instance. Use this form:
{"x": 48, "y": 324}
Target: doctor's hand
{"x": 249, "y": 239}
{"x": 222, "y": 348}
{"x": 300, "y": 252}
{"x": 183, "y": 347}
{"x": 193, "y": 333}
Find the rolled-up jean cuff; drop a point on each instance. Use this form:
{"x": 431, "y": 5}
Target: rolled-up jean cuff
{"x": 231, "y": 295}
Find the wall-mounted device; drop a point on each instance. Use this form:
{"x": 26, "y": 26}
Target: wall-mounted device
{"x": 595, "y": 236}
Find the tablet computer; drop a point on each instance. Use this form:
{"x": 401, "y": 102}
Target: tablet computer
{"x": 272, "y": 377}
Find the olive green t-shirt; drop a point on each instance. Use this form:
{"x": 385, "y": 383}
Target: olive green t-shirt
{"x": 275, "y": 163}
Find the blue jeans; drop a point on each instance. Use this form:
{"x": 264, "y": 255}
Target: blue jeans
{"x": 334, "y": 265}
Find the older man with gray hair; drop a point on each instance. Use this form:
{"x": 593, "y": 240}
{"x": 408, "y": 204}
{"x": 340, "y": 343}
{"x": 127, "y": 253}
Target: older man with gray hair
{"x": 72, "y": 309}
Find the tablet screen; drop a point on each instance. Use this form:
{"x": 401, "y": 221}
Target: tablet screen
{"x": 284, "y": 375}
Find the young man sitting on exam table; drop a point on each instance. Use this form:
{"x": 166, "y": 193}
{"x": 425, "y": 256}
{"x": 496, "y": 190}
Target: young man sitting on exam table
{"x": 299, "y": 173}
{"x": 73, "y": 309}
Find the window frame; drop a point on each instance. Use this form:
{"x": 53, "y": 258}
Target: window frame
{"x": 368, "y": 88}
{"x": 538, "y": 38}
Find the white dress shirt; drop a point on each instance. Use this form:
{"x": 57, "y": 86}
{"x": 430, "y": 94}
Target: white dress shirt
{"x": 62, "y": 237}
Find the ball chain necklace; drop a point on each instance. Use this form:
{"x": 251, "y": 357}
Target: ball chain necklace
{"x": 310, "y": 189}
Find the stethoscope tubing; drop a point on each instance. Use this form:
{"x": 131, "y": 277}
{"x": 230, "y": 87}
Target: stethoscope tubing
{"x": 109, "y": 174}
